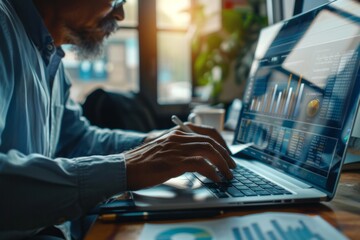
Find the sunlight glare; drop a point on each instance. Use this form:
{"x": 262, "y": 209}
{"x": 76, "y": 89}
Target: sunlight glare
{"x": 173, "y": 13}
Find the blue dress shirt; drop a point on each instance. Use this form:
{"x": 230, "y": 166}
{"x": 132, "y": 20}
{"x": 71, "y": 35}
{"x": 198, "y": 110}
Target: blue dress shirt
{"x": 54, "y": 166}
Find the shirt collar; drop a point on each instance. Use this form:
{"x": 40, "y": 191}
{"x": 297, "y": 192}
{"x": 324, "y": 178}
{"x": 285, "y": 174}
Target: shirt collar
{"x": 34, "y": 26}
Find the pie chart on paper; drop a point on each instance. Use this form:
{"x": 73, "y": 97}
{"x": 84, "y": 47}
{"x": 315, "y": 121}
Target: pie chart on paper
{"x": 187, "y": 233}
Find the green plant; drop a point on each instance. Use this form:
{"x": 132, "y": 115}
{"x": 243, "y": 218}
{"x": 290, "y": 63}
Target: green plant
{"x": 215, "y": 53}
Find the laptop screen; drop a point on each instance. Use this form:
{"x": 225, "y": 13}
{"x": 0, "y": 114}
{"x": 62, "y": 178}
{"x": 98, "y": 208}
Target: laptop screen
{"x": 302, "y": 93}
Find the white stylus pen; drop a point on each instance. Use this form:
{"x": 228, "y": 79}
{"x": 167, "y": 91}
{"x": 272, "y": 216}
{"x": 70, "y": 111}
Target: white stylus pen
{"x": 182, "y": 126}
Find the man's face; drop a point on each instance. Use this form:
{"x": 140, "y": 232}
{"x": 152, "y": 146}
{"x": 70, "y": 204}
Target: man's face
{"x": 90, "y": 24}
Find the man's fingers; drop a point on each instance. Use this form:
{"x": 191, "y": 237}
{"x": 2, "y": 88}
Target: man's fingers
{"x": 195, "y": 144}
{"x": 200, "y": 165}
{"x": 207, "y": 151}
{"x": 200, "y": 140}
{"x": 209, "y": 131}
{"x": 173, "y": 154}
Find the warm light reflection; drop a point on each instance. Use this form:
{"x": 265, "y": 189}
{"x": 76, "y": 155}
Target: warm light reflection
{"x": 173, "y": 13}
{"x": 131, "y": 13}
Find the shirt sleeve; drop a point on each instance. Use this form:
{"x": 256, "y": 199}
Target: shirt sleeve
{"x": 39, "y": 191}
{"x": 79, "y": 138}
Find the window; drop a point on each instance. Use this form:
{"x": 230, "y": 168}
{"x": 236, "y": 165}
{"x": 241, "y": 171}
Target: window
{"x": 174, "y": 56}
{"x": 150, "y": 54}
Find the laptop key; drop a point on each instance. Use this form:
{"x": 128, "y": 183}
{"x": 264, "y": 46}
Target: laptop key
{"x": 241, "y": 178}
{"x": 237, "y": 174}
{"x": 275, "y": 192}
{"x": 249, "y": 192}
{"x": 262, "y": 193}
{"x": 221, "y": 195}
{"x": 204, "y": 179}
{"x": 254, "y": 179}
{"x": 238, "y": 184}
{"x": 251, "y": 185}
{"x": 235, "y": 192}
{"x": 242, "y": 187}
{"x": 224, "y": 185}
{"x": 245, "y": 181}
{"x": 214, "y": 190}
{"x": 233, "y": 181}
{"x": 283, "y": 191}
{"x": 261, "y": 183}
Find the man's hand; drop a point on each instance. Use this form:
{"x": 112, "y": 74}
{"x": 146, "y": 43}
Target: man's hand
{"x": 175, "y": 153}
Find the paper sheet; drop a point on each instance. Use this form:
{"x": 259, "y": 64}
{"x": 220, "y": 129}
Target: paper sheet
{"x": 265, "y": 226}
{"x": 234, "y": 149}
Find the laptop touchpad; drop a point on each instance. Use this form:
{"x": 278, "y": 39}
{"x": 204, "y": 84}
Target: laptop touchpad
{"x": 186, "y": 187}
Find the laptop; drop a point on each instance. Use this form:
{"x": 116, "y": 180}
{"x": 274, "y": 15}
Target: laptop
{"x": 299, "y": 106}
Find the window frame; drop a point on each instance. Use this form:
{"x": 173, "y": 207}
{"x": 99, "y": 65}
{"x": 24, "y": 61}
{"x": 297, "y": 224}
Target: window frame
{"x": 148, "y": 62}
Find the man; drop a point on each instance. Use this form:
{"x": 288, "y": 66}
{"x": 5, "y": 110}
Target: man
{"x": 54, "y": 166}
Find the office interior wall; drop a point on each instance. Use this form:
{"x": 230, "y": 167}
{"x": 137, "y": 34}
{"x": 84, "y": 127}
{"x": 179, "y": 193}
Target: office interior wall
{"x": 288, "y": 8}
{"x": 278, "y": 10}
{"x": 311, "y": 4}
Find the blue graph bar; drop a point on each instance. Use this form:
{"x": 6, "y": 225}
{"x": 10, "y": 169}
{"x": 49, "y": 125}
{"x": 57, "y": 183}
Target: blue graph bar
{"x": 273, "y": 99}
{"x": 285, "y": 112}
{"x": 297, "y": 106}
{"x": 265, "y": 102}
{"x": 291, "y": 233}
{"x": 286, "y": 141}
{"x": 309, "y": 233}
{"x": 258, "y": 106}
{"x": 236, "y": 233}
{"x": 278, "y": 103}
{"x": 306, "y": 232}
{"x": 302, "y": 233}
{"x": 252, "y": 104}
{"x": 272, "y": 236}
{"x": 258, "y": 231}
{"x": 248, "y": 235}
{"x": 279, "y": 229}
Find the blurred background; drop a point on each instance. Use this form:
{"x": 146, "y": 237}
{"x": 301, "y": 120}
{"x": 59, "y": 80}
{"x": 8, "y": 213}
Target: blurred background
{"x": 172, "y": 55}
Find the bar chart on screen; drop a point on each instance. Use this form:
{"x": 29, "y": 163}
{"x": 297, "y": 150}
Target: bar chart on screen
{"x": 286, "y": 101}
{"x": 279, "y": 101}
{"x": 315, "y": 96}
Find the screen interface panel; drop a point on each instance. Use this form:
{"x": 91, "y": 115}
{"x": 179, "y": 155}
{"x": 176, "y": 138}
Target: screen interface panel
{"x": 302, "y": 93}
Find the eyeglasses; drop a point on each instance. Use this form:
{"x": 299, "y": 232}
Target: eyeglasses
{"x": 117, "y": 3}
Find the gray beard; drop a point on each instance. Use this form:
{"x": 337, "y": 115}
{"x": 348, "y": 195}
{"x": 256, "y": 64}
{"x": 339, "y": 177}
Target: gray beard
{"x": 88, "y": 46}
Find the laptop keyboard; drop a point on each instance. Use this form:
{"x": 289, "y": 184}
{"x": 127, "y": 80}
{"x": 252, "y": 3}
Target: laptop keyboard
{"x": 245, "y": 183}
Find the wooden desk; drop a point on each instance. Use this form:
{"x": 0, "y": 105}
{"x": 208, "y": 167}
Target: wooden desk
{"x": 343, "y": 212}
